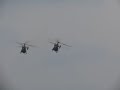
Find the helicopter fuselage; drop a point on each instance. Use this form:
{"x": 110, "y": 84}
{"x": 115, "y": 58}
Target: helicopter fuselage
{"x": 23, "y": 50}
{"x": 56, "y": 47}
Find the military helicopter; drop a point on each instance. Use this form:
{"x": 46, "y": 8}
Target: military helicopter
{"x": 25, "y": 46}
{"x": 57, "y": 46}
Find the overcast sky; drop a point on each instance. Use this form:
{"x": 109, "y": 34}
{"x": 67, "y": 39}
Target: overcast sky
{"x": 91, "y": 27}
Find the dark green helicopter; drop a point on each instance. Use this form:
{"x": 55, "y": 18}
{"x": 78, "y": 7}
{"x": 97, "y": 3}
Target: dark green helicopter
{"x": 25, "y": 46}
{"x": 57, "y": 46}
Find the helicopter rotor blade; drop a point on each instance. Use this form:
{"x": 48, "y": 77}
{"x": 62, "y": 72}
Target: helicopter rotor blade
{"x": 65, "y": 44}
{"x": 19, "y": 43}
{"x": 22, "y": 43}
{"x": 31, "y": 45}
{"x": 27, "y": 42}
{"x": 52, "y": 42}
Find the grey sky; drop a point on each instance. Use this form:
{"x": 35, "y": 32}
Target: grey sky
{"x": 92, "y": 28}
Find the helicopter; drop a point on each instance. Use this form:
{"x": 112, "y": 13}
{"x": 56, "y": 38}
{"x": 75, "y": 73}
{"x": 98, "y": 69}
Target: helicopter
{"x": 57, "y": 46}
{"x": 25, "y": 46}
